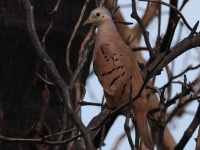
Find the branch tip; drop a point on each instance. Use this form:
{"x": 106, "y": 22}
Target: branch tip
{"x": 193, "y": 30}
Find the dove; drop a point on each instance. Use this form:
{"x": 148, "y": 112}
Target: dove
{"x": 118, "y": 71}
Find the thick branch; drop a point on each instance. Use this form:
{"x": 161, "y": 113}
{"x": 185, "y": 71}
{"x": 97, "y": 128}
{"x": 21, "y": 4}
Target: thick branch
{"x": 176, "y": 51}
{"x": 172, "y": 24}
{"x": 190, "y": 130}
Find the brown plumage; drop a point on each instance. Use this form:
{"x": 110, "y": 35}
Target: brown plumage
{"x": 117, "y": 69}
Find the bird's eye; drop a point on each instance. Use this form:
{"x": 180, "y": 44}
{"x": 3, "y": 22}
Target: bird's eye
{"x": 97, "y": 14}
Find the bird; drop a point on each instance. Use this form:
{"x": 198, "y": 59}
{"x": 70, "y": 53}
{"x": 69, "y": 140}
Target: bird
{"x": 118, "y": 71}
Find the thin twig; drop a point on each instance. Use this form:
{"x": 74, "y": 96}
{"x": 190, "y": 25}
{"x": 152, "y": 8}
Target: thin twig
{"x": 56, "y": 7}
{"x": 159, "y": 29}
{"x": 198, "y": 140}
{"x": 189, "y": 68}
{"x": 102, "y": 137}
{"x": 126, "y": 124}
{"x": 176, "y": 51}
{"x": 63, "y": 124}
{"x": 73, "y": 35}
{"x": 83, "y": 103}
{"x": 177, "y": 96}
{"x": 180, "y": 103}
{"x": 53, "y": 73}
{"x": 83, "y": 59}
{"x": 37, "y": 140}
{"x": 52, "y": 21}
{"x": 175, "y": 9}
{"x": 189, "y": 131}
{"x": 59, "y": 133}
{"x": 161, "y": 120}
{"x": 128, "y": 131}
{"x": 120, "y": 139}
{"x": 113, "y": 7}
{"x": 47, "y": 82}
{"x": 122, "y": 22}
{"x": 169, "y": 87}
{"x": 46, "y": 33}
{"x": 154, "y": 88}
{"x": 144, "y": 32}
{"x": 137, "y": 135}
{"x": 139, "y": 49}
{"x": 39, "y": 128}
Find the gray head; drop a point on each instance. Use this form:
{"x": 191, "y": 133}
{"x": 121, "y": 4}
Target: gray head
{"x": 98, "y": 16}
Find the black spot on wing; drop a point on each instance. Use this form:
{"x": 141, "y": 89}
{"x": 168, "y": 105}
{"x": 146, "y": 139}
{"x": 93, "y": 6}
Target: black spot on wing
{"x": 130, "y": 77}
{"x": 118, "y": 67}
{"x": 103, "y": 74}
{"x": 114, "y": 80}
{"x": 122, "y": 92}
{"x": 107, "y": 73}
{"x": 102, "y": 51}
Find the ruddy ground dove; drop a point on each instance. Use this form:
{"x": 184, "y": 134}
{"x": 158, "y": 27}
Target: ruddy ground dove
{"x": 117, "y": 70}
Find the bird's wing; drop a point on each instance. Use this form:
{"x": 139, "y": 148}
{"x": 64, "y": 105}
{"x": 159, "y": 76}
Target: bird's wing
{"x": 117, "y": 69}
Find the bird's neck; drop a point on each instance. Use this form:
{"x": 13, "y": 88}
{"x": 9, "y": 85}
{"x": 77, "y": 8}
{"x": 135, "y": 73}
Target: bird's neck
{"x": 107, "y": 32}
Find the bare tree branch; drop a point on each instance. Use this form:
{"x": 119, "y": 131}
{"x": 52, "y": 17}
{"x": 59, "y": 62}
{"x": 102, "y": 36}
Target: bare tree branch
{"x": 144, "y": 32}
{"x": 198, "y": 140}
{"x": 73, "y": 35}
{"x": 177, "y": 50}
{"x": 52, "y": 71}
{"x": 190, "y": 130}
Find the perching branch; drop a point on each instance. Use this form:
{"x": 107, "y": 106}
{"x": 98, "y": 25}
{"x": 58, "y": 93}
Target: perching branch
{"x": 190, "y": 130}
{"x": 177, "y": 50}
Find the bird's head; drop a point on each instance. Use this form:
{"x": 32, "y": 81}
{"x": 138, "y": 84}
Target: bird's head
{"x": 98, "y": 16}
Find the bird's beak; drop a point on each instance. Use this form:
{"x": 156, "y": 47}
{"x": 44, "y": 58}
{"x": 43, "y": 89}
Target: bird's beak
{"x": 88, "y": 21}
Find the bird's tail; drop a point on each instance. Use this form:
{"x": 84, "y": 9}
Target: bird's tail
{"x": 141, "y": 120}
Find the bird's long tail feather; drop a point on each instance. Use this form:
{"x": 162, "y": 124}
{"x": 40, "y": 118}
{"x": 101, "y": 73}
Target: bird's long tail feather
{"x": 141, "y": 120}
